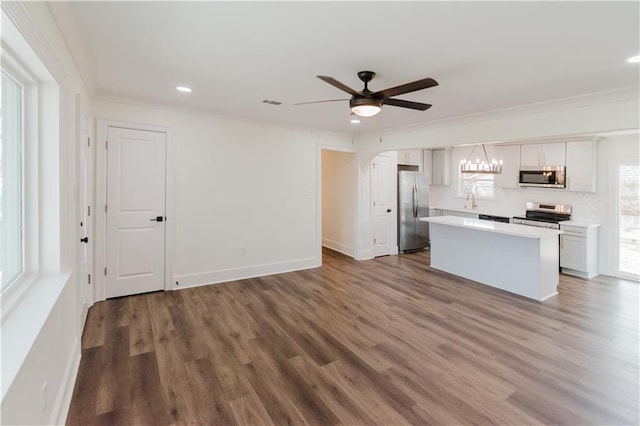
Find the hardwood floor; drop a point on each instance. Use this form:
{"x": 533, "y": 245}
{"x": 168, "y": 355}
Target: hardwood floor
{"x": 385, "y": 341}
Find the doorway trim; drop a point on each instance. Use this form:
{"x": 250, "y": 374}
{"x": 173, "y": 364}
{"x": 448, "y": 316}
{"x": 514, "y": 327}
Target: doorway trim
{"x": 84, "y": 128}
{"x": 319, "y": 149}
{"x": 614, "y": 251}
{"x": 101, "y": 200}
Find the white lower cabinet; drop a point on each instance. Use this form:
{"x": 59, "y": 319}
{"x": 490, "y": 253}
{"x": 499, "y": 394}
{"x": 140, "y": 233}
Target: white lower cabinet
{"x": 579, "y": 250}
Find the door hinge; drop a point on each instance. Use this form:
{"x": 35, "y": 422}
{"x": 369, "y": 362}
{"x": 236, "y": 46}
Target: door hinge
{"x": 89, "y": 279}
{"x": 374, "y": 204}
{"x": 374, "y": 241}
{"x": 106, "y": 144}
{"x": 105, "y": 270}
{"x": 88, "y": 141}
{"x": 88, "y": 210}
{"x": 105, "y": 208}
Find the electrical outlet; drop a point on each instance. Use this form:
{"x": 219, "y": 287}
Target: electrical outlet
{"x": 43, "y": 391}
{"x": 243, "y": 251}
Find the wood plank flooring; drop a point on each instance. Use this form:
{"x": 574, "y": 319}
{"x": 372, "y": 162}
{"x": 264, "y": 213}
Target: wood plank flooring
{"x": 387, "y": 341}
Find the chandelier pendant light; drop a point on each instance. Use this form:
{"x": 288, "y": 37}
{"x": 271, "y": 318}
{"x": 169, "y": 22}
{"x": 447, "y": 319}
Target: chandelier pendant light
{"x": 485, "y": 166}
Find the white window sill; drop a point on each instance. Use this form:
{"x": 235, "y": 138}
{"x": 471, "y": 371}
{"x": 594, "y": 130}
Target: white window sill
{"x": 26, "y": 314}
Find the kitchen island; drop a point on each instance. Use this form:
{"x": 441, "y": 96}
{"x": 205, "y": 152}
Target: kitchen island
{"x": 516, "y": 258}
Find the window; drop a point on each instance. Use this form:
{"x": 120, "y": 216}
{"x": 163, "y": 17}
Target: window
{"x": 11, "y": 181}
{"x": 480, "y": 184}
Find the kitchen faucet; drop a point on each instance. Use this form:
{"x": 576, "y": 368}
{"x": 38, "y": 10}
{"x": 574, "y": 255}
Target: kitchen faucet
{"x": 473, "y": 200}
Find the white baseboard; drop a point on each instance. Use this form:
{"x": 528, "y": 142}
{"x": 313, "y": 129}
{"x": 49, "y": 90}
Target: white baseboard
{"x": 339, "y": 247}
{"x": 63, "y": 400}
{"x": 233, "y": 274}
{"x": 365, "y": 255}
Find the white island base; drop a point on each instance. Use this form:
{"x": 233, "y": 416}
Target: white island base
{"x": 515, "y": 258}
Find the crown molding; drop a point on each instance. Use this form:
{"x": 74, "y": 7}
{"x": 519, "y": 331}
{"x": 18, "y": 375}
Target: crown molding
{"x": 19, "y": 14}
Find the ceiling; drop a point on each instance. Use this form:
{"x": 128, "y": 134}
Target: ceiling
{"x": 234, "y": 55}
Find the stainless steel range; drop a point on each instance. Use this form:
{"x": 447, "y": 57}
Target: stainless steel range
{"x": 544, "y": 215}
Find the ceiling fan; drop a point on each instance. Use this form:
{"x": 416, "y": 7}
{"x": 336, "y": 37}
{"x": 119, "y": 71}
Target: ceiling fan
{"x": 367, "y": 103}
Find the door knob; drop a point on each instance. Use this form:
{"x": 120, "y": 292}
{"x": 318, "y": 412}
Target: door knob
{"x": 157, "y": 219}
{"x": 388, "y": 210}
{"x": 84, "y": 240}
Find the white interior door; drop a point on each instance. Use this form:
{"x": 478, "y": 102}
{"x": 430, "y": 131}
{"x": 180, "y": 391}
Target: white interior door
{"x": 85, "y": 196}
{"x": 384, "y": 203}
{"x": 135, "y": 247}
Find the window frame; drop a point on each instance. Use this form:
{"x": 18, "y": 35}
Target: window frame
{"x": 478, "y": 177}
{"x": 29, "y": 189}
{"x": 39, "y": 94}
{"x": 459, "y": 154}
{"x": 7, "y": 70}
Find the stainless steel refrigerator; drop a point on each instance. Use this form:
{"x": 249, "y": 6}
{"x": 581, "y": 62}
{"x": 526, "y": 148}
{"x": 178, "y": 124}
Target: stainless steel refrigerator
{"x": 413, "y": 203}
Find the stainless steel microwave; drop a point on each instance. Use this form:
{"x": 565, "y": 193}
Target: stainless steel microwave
{"x": 542, "y": 177}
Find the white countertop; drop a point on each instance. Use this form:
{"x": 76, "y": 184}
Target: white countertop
{"x": 579, "y": 224}
{"x": 501, "y": 213}
{"x": 497, "y": 227}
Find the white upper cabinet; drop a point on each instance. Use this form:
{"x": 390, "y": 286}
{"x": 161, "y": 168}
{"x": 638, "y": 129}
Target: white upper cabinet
{"x": 530, "y": 155}
{"x": 441, "y": 166}
{"x": 581, "y": 166}
{"x": 427, "y": 160}
{"x": 543, "y": 154}
{"x": 510, "y": 156}
{"x": 553, "y": 154}
{"x": 411, "y": 157}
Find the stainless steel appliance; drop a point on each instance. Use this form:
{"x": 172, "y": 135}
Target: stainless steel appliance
{"x": 542, "y": 177}
{"x": 413, "y": 203}
{"x": 544, "y": 215}
{"x": 492, "y": 218}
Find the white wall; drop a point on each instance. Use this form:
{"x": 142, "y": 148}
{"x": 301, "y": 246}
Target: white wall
{"x": 246, "y": 193}
{"x": 339, "y": 200}
{"x": 41, "y": 335}
{"x": 238, "y": 185}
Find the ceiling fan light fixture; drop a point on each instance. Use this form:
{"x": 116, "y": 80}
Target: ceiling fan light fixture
{"x": 365, "y": 107}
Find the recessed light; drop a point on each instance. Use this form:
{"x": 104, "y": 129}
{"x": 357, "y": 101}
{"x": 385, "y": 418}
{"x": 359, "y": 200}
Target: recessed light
{"x": 634, "y": 59}
{"x": 183, "y": 89}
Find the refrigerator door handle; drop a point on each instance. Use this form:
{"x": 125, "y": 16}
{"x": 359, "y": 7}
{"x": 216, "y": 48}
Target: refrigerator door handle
{"x": 415, "y": 201}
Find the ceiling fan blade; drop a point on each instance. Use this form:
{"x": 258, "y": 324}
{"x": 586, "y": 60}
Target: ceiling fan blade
{"x": 335, "y": 83}
{"x": 320, "y": 102}
{"x": 425, "y": 83}
{"x": 407, "y": 104}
